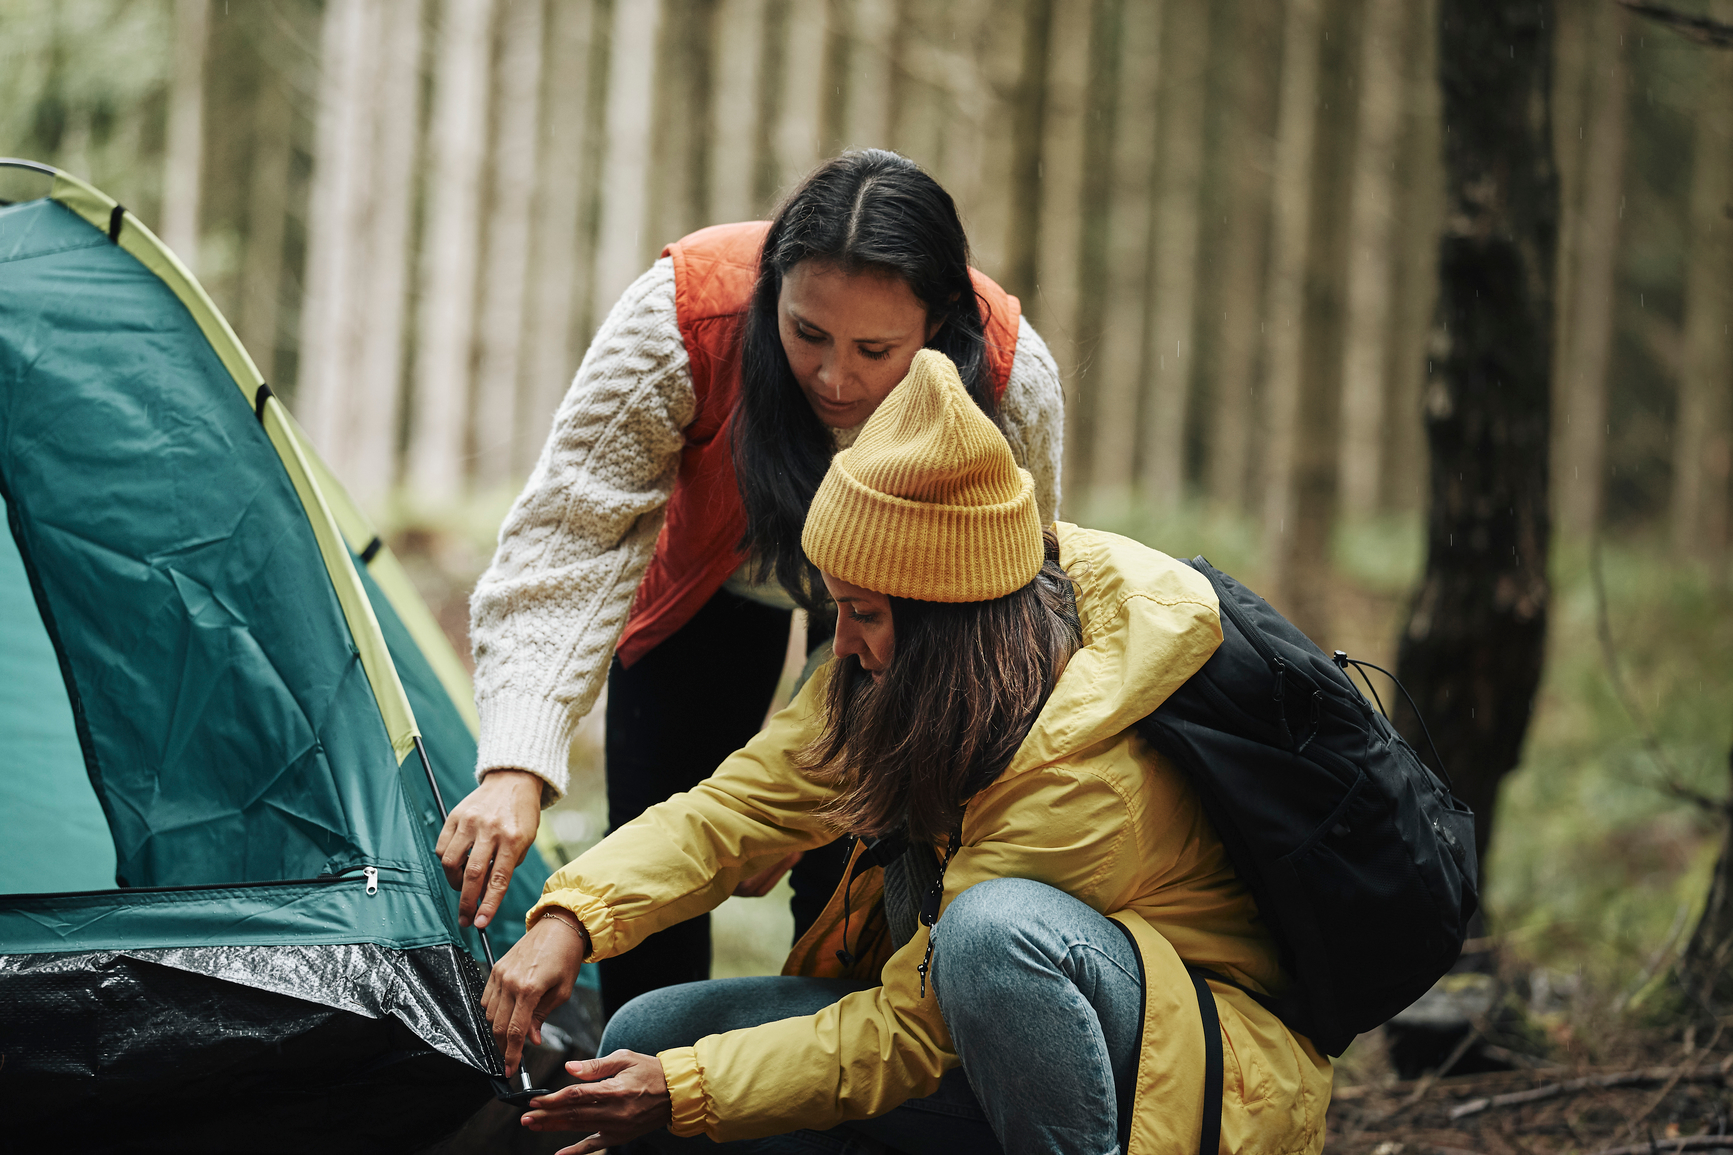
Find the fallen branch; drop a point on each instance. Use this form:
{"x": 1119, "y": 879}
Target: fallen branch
{"x": 1699, "y": 28}
{"x": 1661, "y": 1146}
{"x": 1671, "y": 1075}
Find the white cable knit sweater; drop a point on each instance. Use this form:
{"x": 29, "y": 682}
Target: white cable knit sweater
{"x": 547, "y": 614}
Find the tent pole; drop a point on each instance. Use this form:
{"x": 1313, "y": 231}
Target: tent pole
{"x": 521, "y": 1095}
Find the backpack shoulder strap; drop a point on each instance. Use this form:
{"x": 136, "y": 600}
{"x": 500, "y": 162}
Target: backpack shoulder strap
{"x": 1209, "y": 1143}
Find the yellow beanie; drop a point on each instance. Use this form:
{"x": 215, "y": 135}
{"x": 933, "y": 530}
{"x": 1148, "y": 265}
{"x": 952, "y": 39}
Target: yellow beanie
{"x": 928, "y": 503}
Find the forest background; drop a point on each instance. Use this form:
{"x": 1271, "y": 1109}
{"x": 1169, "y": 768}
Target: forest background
{"x": 416, "y": 212}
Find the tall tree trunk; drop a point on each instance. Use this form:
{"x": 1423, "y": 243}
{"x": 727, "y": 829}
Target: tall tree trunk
{"x": 772, "y": 91}
{"x": 871, "y": 29}
{"x": 1285, "y": 287}
{"x": 1167, "y": 368}
{"x": 184, "y": 154}
{"x": 1472, "y": 649}
{"x": 1703, "y": 441}
{"x": 512, "y": 170}
{"x": 336, "y": 227}
{"x": 1703, "y": 968}
{"x": 799, "y": 125}
{"x": 1028, "y": 136}
{"x": 1580, "y": 405}
{"x": 556, "y": 263}
{"x": 1300, "y": 580}
{"x": 739, "y": 25}
{"x": 1119, "y": 388}
{"x": 1100, "y": 117}
{"x": 683, "y": 111}
{"x": 377, "y": 392}
{"x": 267, "y": 208}
{"x": 1372, "y": 265}
{"x": 445, "y": 319}
{"x": 1052, "y": 306}
{"x": 1422, "y": 215}
{"x": 621, "y": 246}
{"x": 1247, "y": 128}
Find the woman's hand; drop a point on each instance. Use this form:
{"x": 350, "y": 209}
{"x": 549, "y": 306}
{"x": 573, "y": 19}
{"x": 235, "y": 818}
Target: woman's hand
{"x": 620, "y": 1097}
{"x": 533, "y": 978}
{"x": 762, "y": 883}
{"x": 485, "y": 838}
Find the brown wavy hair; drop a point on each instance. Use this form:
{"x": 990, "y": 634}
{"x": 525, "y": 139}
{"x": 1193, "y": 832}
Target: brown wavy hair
{"x": 964, "y": 685}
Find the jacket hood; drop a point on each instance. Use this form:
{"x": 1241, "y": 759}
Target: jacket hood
{"x": 1149, "y": 623}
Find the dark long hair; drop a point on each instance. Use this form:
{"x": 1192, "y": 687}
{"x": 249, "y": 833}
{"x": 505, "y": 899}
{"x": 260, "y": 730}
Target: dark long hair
{"x": 868, "y": 210}
{"x": 965, "y": 683}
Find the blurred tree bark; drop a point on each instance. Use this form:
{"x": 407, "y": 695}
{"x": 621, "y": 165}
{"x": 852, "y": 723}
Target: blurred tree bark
{"x": 1120, "y": 360}
{"x": 1301, "y": 502}
{"x": 681, "y": 121}
{"x": 385, "y": 247}
{"x": 1028, "y": 136}
{"x": 333, "y": 301}
{"x": 1373, "y": 257}
{"x": 514, "y": 163}
{"x": 1167, "y": 364}
{"x": 1100, "y": 117}
{"x": 267, "y": 208}
{"x": 772, "y": 80}
{"x": 1052, "y": 305}
{"x": 1285, "y": 286}
{"x": 621, "y": 246}
{"x": 1580, "y": 392}
{"x": 559, "y": 257}
{"x": 445, "y": 322}
{"x": 1703, "y": 442}
{"x": 1703, "y": 967}
{"x": 1246, "y": 125}
{"x": 1472, "y": 649}
{"x": 734, "y": 121}
{"x": 1421, "y": 208}
{"x": 184, "y": 153}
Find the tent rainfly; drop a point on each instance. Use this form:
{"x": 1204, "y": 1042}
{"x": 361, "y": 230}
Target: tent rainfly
{"x": 226, "y": 721}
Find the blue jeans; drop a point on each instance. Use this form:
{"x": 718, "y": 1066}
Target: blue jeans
{"x": 1044, "y": 1001}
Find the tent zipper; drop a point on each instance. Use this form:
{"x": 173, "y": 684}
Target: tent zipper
{"x": 369, "y": 874}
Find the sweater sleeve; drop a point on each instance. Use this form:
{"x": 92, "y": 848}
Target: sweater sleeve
{"x": 1032, "y": 414}
{"x": 547, "y": 614}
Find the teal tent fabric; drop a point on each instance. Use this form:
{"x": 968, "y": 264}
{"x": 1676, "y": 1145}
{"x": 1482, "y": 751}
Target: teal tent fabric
{"x": 56, "y": 836}
{"x": 214, "y": 707}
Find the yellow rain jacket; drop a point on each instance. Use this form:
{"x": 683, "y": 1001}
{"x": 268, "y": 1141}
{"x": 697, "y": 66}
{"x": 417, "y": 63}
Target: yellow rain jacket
{"x": 1085, "y": 806}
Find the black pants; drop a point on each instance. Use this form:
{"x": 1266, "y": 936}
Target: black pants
{"x": 672, "y": 718}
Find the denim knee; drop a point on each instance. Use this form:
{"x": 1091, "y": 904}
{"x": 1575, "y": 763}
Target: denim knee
{"x": 977, "y": 925}
{"x": 648, "y": 1023}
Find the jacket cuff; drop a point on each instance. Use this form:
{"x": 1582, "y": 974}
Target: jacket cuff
{"x": 686, "y": 1093}
{"x": 526, "y": 733}
{"x": 590, "y": 911}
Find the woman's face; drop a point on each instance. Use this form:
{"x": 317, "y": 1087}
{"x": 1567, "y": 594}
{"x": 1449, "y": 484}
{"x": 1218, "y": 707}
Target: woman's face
{"x": 863, "y": 625}
{"x": 850, "y": 337}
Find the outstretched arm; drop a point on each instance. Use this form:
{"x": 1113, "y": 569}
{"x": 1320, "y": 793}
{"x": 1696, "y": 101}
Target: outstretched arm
{"x": 545, "y": 617}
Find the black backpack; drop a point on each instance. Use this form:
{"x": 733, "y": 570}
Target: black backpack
{"x": 1361, "y": 860}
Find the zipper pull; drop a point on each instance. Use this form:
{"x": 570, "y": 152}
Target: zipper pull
{"x": 371, "y": 873}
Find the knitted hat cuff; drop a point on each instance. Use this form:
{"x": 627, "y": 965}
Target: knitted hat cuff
{"x": 923, "y": 551}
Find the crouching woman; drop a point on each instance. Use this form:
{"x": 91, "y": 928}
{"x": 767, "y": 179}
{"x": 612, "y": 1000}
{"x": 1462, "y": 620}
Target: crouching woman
{"x": 1005, "y": 965}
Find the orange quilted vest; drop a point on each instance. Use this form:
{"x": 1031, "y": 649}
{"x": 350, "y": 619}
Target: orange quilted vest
{"x": 714, "y": 271}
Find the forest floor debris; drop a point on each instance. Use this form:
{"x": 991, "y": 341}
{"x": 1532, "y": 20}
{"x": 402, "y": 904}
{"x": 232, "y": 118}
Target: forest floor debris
{"x": 1685, "y": 1104}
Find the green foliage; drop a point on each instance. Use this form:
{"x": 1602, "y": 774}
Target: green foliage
{"x": 82, "y": 86}
{"x": 1593, "y": 858}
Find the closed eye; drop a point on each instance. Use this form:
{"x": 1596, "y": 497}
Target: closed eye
{"x": 874, "y": 354}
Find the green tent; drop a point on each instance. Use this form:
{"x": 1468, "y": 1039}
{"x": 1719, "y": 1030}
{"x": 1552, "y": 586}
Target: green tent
{"x": 223, "y": 713}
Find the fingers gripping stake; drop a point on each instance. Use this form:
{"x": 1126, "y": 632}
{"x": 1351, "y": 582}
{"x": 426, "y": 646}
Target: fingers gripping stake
{"x": 520, "y": 1095}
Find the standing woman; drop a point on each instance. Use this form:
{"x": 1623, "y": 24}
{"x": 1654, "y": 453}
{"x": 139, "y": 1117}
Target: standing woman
{"x": 657, "y": 542}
